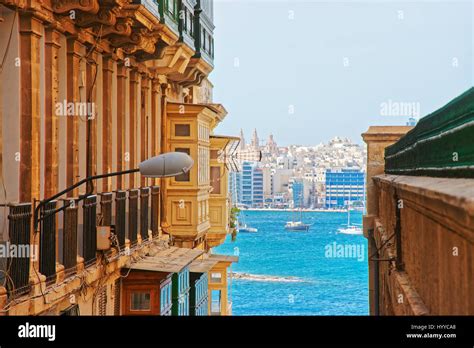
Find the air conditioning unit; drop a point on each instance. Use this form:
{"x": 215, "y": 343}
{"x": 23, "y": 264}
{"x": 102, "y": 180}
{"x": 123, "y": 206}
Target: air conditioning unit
{"x": 103, "y": 237}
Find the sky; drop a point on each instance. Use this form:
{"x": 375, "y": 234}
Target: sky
{"x": 306, "y": 71}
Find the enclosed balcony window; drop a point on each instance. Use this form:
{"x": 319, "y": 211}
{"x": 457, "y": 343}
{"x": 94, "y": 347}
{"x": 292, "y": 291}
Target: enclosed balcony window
{"x": 215, "y": 302}
{"x": 216, "y": 180}
{"x": 182, "y": 130}
{"x": 183, "y": 177}
{"x": 216, "y": 277}
{"x": 140, "y": 301}
{"x": 171, "y": 7}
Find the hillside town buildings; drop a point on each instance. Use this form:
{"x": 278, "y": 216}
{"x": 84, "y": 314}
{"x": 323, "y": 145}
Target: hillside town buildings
{"x": 296, "y": 176}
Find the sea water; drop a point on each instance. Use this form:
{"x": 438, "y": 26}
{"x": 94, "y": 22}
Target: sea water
{"x": 280, "y": 272}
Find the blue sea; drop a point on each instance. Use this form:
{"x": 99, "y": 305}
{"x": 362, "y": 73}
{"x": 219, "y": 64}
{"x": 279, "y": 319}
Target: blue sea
{"x": 314, "y": 275}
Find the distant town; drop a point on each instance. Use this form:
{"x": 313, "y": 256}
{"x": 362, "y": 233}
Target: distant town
{"x": 325, "y": 176}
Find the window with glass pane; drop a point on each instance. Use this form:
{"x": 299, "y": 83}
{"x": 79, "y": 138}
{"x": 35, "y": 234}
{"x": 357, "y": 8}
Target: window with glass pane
{"x": 216, "y": 277}
{"x": 183, "y": 177}
{"x": 216, "y": 180}
{"x": 216, "y": 302}
{"x": 182, "y": 130}
{"x": 140, "y": 301}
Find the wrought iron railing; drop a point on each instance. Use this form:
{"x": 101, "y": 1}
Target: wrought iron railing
{"x": 48, "y": 242}
{"x": 155, "y": 210}
{"x": 441, "y": 144}
{"x": 133, "y": 216}
{"x": 144, "y": 212}
{"x": 89, "y": 246}
{"x": 120, "y": 217}
{"x": 49, "y": 236}
{"x": 70, "y": 222}
{"x": 18, "y": 268}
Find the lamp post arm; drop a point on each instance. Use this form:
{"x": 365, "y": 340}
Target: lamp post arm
{"x": 42, "y": 203}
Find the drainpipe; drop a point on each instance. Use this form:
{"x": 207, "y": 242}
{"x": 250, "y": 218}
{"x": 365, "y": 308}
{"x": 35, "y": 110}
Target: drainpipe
{"x": 376, "y": 272}
{"x": 398, "y": 232}
{"x": 163, "y": 148}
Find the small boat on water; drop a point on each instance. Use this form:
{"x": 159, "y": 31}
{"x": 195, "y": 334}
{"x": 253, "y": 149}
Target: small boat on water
{"x": 355, "y": 230}
{"x": 243, "y": 227}
{"x": 350, "y": 228}
{"x": 247, "y": 229}
{"x": 297, "y": 226}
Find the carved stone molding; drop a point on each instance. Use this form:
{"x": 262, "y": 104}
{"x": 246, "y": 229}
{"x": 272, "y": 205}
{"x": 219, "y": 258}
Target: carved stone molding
{"x": 105, "y": 16}
{"x": 196, "y": 71}
{"x": 63, "y": 6}
{"x": 139, "y": 40}
{"x": 174, "y": 60}
{"x": 122, "y": 27}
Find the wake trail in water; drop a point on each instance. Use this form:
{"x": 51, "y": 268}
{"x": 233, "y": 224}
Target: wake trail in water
{"x": 266, "y": 278}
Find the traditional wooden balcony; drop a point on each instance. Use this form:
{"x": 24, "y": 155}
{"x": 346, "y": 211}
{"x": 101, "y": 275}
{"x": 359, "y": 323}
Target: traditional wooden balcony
{"x": 197, "y": 34}
{"x": 204, "y": 31}
{"x": 219, "y": 199}
{"x": 187, "y": 196}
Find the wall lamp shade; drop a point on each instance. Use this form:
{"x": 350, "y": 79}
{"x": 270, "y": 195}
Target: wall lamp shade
{"x": 166, "y": 165}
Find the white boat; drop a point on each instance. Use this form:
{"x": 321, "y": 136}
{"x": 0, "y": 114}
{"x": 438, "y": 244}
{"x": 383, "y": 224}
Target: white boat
{"x": 350, "y": 228}
{"x": 297, "y": 226}
{"x": 245, "y": 228}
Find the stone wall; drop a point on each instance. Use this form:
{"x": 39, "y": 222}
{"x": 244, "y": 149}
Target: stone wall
{"x": 421, "y": 241}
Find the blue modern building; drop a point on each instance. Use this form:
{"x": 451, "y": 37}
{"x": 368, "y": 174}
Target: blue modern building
{"x": 246, "y": 186}
{"x": 296, "y": 187}
{"x": 344, "y": 186}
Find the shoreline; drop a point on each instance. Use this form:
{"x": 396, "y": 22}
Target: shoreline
{"x": 320, "y": 210}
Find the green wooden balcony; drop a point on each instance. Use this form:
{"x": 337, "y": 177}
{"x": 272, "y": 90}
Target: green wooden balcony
{"x": 150, "y": 5}
{"x": 169, "y": 14}
{"x": 186, "y": 22}
{"x": 204, "y": 30}
{"x": 441, "y": 144}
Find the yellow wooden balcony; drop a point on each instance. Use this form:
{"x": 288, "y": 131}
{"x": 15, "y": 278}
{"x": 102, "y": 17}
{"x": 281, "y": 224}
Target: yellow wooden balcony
{"x": 219, "y": 198}
{"x": 188, "y": 128}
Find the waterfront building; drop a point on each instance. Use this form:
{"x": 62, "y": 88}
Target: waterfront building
{"x": 296, "y": 188}
{"x": 248, "y": 185}
{"x": 422, "y": 201}
{"x": 344, "y": 187}
{"x": 133, "y": 76}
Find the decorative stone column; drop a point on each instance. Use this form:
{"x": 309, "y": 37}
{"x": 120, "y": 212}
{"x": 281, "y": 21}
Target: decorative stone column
{"x": 31, "y": 30}
{"x": 134, "y": 81}
{"x": 74, "y": 50}
{"x": 144, "y": 115}
{"x": 51, "y": 95}
{"x": 107, "y": 70}
{"x": 121, "y": 125}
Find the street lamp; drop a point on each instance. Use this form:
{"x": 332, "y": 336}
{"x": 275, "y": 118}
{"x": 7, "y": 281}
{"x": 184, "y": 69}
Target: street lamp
{"x": 163, "y": 166}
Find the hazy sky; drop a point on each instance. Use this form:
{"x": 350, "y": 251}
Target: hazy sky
{"x": 307, "y": 71}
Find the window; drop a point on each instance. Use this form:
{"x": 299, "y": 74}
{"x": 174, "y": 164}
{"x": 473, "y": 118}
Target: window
{"x": 140, "y": 301}
{"x": 183, "y": 177}
{"x": 216, "y": 180}
{"x": 216, "y": 277}
{"x": 214, "y": 154}
{"x": 216, "y": 302}
{"x": 72, "y": 310}
{"x": 182, "y": 130}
